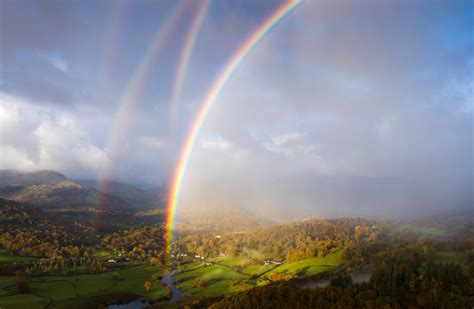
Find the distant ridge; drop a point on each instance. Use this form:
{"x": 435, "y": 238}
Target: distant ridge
{"x": 11, "y": 177}
{"x": 50, "y": 189}
{"x": 140, "y": 198}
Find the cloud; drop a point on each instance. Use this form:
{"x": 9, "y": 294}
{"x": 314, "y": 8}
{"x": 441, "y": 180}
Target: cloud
{"x": 34, "y": 138}
{"x": 217, "y": 143}
{"x": 59, "y": 63}
{"x": 290, "y": 145}
{"x": 285, "y": 138}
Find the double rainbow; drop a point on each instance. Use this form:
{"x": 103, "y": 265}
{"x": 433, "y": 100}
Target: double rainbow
{"x": 132, "y": 91}
{"x": 184, "y": 56}
{"x": 250, "y": 42}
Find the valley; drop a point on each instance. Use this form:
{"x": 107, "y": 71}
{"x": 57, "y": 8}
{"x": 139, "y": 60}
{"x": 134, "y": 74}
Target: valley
{"x": 236, "y": 154}
{"x": 75, "y": 257}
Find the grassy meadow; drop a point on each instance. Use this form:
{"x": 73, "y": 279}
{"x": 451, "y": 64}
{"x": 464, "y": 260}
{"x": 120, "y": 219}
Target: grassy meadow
{"x": 310, "y": 267}
{"x": 7, "y": 257}
{"x": 228, "y": 275}
{"x": 60, "y": 291}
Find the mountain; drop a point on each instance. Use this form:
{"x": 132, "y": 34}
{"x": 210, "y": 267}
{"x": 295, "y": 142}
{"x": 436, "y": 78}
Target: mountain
{"x": 139, "y": 198}
{"x": 15, "y": 178}
{"x": 54, "y": 190}
{"x": 157, "y": 196}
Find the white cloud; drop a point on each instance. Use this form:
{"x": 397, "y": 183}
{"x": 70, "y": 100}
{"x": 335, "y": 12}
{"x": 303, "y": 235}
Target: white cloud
{"x": 59, "y": 63}
{"x": 216, "y": 143}
{"x": 290, "y": 145}
{"x": 32, "y": 138}
{"x": 285, "y": 138}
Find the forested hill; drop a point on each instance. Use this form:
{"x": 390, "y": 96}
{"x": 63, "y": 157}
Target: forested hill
{"x": 51, "y": 189}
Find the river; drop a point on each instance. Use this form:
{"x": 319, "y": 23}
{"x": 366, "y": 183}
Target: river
{"x": 166, "y": 280}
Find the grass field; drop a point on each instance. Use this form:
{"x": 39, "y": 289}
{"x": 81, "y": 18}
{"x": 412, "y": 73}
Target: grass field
{"x": 217, "y": 279}
{"x": 229, "y": 261}
{"x": 223, "y": 277}
{"x": 256, "y": 269}
{"x": 104, "y": 254}
{"x": 61, "y": 289}
{"x": 241, "y": 261}
{"x": 7, "y": 257}
{"x": 22, "y": 301}
{"x": 311, "y": 266}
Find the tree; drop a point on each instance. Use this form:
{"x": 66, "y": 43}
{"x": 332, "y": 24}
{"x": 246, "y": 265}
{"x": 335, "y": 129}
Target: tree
{"x": 148, "y": 286}
{"x": 22, "y": 286}
{"x": 199, "y": 283}
{"x": 115, "y": 276}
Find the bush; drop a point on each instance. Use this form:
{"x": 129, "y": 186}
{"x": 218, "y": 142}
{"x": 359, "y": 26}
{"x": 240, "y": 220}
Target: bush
{"x": 22, "y": 286}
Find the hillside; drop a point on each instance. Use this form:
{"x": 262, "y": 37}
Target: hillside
{"x": 11, "y": 177}
{"x": 139, "y": 198}
{"x": 54, "y": 190}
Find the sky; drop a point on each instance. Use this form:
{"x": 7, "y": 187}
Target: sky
{"x": 345, "y": 107}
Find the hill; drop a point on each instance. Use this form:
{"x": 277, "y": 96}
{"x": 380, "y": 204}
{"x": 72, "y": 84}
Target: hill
{"x": 11, "y": 177}
{"x": 139, "y": 198}
{"x": 53, "y": 190}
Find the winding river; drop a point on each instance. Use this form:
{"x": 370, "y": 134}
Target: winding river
{"x": 168, "y": 281}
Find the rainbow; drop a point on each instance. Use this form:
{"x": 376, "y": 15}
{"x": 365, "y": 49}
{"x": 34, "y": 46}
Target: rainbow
{"x": 132, "y": 91}
{"x": 237, "y": 57}
{"x": 185, "y": 56}
{"x": 109, "y": 50}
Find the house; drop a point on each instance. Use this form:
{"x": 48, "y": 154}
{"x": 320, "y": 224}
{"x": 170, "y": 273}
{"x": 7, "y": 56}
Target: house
{"x": 270, "y": 262}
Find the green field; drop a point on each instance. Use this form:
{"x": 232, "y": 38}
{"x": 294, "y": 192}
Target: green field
{"x": 59, "y": 289}
{"x": 242, "y": 262}
{"x": 227, "y": 275}
{"x": 229, "y": 261}
{"x": 22, "y": 301}
{"x": 105, "y": 254}
{"x": 217, "y": 279}
{"x": 7, "y": 257}
{"x": 256, "y": 269}
{"x": 311, "y": 266}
